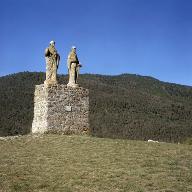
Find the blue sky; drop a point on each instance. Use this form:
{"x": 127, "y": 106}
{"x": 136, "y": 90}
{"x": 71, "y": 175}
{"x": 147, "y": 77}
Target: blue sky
{"x": 146, "y": 37}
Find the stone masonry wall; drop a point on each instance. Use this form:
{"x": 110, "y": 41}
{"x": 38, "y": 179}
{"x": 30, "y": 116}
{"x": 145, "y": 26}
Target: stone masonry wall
{"x": 39, "y": 124}
{"x": 60, "y": 108}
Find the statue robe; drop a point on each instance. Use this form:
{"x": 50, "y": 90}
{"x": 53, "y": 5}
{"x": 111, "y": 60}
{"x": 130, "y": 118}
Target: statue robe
{"x": 52, "y": 62}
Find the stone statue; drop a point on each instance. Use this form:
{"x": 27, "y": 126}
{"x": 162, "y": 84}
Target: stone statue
{"x": 73, "y": 68}
{"x": 52, "y": 63}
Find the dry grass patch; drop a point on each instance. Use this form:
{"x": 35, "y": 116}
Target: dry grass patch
{"x": 82, "y": 163}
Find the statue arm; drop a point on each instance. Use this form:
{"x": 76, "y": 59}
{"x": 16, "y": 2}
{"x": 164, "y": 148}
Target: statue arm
{"x": 72, "y": 58}
{"x": 47, "y": 53}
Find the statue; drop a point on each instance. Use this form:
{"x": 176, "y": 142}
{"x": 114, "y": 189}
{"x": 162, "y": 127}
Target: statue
{"x": 73, "y": 68}
{"x": 52, "y": 63}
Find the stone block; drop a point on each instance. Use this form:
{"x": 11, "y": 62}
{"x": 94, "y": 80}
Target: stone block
{"x": 62, "y": 109}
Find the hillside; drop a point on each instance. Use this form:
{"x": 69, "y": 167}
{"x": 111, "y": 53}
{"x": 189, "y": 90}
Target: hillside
{"x": 82, "y": 163}
{"x": 124, "y": 106}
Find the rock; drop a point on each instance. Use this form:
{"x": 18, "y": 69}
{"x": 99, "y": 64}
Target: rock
{"x": 151, "y": 141}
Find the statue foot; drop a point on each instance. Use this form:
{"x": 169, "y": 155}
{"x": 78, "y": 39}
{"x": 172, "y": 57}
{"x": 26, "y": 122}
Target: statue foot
{"x": 74, "y": 85}
{"x": 49, "y": 83}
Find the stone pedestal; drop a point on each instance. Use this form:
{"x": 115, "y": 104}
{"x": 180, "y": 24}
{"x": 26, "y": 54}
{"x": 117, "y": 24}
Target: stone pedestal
{"x": 58, "y": 108}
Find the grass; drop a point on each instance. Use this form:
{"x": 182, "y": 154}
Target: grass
{"x": 88, "y": 164}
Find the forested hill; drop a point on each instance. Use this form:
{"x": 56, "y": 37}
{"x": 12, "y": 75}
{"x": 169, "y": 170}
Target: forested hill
{"x": 124, "y": 106}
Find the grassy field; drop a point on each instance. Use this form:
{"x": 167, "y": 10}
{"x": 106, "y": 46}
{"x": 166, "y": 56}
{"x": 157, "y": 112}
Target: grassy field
{"x": 88, "y": 164}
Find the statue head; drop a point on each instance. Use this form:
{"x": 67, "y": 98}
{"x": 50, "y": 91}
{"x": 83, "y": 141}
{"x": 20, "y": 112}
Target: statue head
{"x": 52, "y": 43}
{"x": 73, "y": 48}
